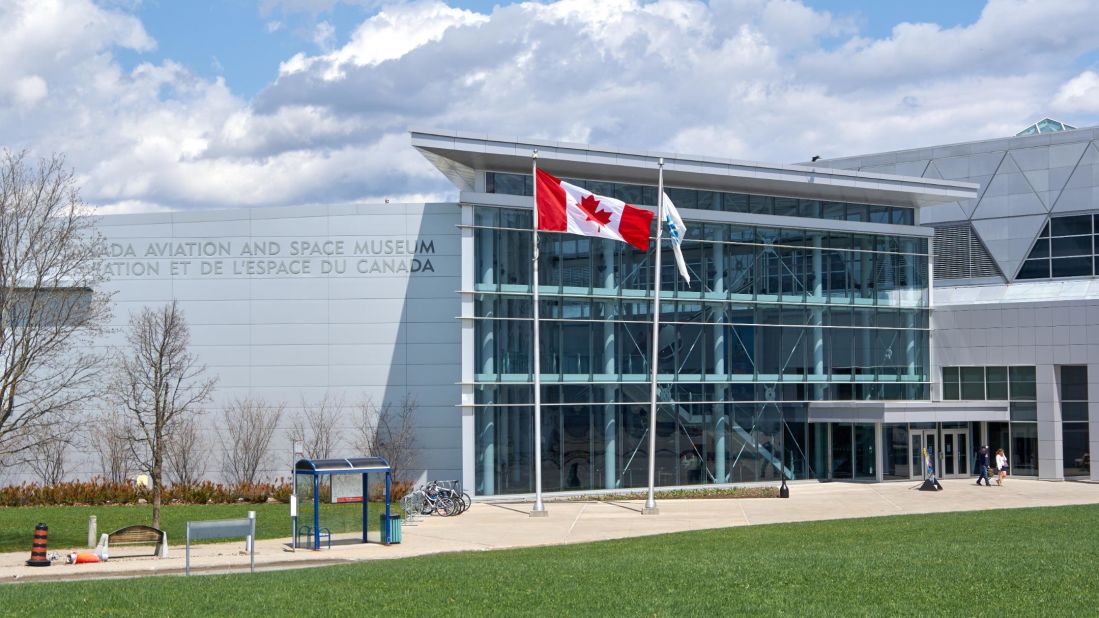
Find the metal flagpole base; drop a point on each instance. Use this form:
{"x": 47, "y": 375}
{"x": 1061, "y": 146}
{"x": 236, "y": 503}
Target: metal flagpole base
{"x": 539, "y": 511}
{"x": 650, "y": 510}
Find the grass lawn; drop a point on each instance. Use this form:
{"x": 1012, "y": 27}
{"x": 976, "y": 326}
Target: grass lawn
{"x": 69, "y": 524}
{"x": 1036, "y": 562}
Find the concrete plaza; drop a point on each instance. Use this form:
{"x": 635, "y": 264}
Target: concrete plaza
{"x": 501, "y": 525}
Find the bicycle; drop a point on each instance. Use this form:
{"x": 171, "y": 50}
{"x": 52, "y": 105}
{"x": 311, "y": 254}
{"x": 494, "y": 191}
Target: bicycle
{"x": 454, "y": 488}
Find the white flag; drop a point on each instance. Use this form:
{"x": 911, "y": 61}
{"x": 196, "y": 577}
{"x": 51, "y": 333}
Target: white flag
{"x": 677, "y": 231}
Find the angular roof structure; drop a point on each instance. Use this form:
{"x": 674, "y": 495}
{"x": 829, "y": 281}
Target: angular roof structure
{"x": 459, "y": 155}
{"x": 1045, "y": 125}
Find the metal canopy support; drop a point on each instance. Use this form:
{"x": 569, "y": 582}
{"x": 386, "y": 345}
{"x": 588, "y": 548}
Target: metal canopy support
{"x": 385, "y": 533}
{"x": 317, "y": 513}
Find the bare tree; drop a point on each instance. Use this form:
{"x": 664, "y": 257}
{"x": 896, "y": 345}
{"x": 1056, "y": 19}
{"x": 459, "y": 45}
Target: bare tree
{"x": 47, "y": 459}
{"x": 185, "y": 459}
{"x": 50, "y": 309}
{"x": 246, "y": 438}
{"x": 316, "y": 426}
{"x": 388, "y": 431}
{"x": 158, "y": 382}
{"x": 109, "y": 437}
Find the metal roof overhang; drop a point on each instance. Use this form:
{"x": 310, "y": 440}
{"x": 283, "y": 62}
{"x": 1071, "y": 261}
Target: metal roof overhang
{"x": 460, "y": 155}
{"x": 908, "y": 411}
{"x": 354, "y": 465}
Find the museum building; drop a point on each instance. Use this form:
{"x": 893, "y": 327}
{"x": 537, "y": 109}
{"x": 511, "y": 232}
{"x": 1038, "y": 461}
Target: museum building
{"x": 843, "y": 315}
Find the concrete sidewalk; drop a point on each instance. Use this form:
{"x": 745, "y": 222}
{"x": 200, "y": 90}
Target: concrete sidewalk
{"x": 500, "y": 525}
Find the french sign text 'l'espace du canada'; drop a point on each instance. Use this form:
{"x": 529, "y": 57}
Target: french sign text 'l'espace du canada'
{"x": 278, "y": 258}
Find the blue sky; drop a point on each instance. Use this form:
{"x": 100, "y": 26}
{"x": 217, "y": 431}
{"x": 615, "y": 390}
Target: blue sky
{"x": 171, "y": 104}
{"x": 231, "y": 38}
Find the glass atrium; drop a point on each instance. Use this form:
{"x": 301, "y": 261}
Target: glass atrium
{"x": 775, "y": 318}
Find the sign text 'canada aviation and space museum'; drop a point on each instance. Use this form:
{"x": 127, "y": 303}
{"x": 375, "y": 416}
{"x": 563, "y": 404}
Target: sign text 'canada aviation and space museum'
{"x": 268, "y": 257}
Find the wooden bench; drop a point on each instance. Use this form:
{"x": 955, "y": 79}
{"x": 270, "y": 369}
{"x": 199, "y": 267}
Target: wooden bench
{"x": 134, "y": 535}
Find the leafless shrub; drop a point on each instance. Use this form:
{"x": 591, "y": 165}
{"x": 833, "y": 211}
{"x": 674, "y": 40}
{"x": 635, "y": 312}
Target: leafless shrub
{"x": 47, "y": 459}
{"x": 185, "y": 458}
{"x": 246, "y": 438}
{"x": 388, "y": 431}
{"x": 316, "y": 428}
{"x": 109, "y": 439}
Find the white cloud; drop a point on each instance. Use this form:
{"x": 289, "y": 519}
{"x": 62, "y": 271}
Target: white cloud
{"x": 768, "y": 80}
{"x": 323, "y": 35}
{"x": 29, "y": 90}
{"x": 1009, "y": 38}
{"x": 390, "y": 34}
{"x": 1079, "y": 94}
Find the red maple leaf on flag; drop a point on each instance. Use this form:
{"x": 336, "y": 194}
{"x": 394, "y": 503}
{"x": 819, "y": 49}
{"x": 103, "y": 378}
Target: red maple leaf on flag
{"x": 590, "y": 206}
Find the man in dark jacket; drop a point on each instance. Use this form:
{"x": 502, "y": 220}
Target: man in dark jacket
{"x": 982, "y": 466}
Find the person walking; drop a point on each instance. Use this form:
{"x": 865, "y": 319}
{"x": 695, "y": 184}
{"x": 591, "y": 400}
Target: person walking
{"x": 1001, "y": 466}
{"x": 982, "y": 466}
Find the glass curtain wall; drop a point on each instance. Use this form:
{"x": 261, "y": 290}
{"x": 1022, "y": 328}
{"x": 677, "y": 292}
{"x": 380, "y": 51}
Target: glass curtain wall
{"x": 774, "y": 318}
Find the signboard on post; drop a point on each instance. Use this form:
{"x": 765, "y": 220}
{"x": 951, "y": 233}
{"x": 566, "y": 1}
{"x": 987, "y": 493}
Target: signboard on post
{"x": 221, "y": 529}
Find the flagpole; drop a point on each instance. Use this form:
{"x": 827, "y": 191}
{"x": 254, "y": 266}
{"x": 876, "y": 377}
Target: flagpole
{"x": 539, "y": 509}
{"x": 650, "y": 503}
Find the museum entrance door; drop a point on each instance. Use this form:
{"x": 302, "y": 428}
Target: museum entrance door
{"x": 923, "y": 439}
{"x": 954, "y": 458}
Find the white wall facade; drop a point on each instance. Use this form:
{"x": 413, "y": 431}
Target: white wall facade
{"x": 291, "y": 304}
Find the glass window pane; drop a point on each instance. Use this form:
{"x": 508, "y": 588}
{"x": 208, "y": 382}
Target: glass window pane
{"x": 996, "y": 383}
{"x": 1076, "y": 452}
{"x": 1070, "y": 245}
{"x": 834, "y": 210}
{"x": 600, "y": 187}
{"x": 973, "y": 383}
{"x": 761, "y": 204}
{"x": 902, "y": 216}
{"x": 1024, "y": 449}
{"x": 950, "y": 383}
{"x": 1072, "y": 267}
{"x": 1040, "y": 250}
{"x": 734, "y": 202}
{"x": 708, "y": 200}
{"x": 856, "y": 212}
{"x": 683, "y": 198}
{"x": 1022, "y": 383}
{"x": 786, "y": 206}
{"x": 510, "y": 184}
{"x": 1074, "y": 411}
{"x": 1034, "y": 269}
{"x": 879, "y": 214}
{"x": 1070, "y": 226}
{"x": 631, "y": 194}
{"x": 1074, "y": 383}
{"x": 809, "y": 208}
{"x": 1024, "y": 411}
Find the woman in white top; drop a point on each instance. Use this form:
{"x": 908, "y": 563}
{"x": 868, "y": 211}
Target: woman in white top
{"x": 1001, "y": 466}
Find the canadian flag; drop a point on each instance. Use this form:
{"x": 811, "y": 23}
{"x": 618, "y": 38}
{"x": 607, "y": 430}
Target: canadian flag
{"x": 567, "y": 208}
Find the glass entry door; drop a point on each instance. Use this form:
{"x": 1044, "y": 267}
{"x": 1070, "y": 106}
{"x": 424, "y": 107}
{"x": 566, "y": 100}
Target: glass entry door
{"x": 954, "y": 458}
{"x": 924, "y": 439}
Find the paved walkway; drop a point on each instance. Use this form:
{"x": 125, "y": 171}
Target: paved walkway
{"x": 498, "y": 526}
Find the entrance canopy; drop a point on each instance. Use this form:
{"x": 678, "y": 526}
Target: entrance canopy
{"x": 908, "y": 411}
{"x": 365, "y": 466}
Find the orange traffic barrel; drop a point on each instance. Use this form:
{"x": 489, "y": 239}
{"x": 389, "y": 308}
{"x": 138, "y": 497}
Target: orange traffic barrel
{"x": 38, "y": 549}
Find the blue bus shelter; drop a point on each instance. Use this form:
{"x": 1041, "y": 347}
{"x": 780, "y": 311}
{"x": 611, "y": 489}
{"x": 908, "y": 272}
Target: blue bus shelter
{"x": 358, "y": 465}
